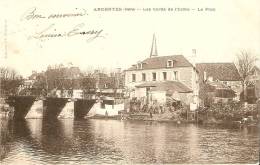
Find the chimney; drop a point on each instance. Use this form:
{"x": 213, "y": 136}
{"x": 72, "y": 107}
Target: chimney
{"x": 96, "y": 71}
{"x": 194, "y": 51}
{"x": 153, "y": 52}
{"x": 193, "y": 57}
{"x": 118, "y": 70}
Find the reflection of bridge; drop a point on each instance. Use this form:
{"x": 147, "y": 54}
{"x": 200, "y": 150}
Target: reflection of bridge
{"x": 50, "y": 107}
{"x": 49, "y": 139}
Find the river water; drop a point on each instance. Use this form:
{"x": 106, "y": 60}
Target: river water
{"x": 95, "y": 141}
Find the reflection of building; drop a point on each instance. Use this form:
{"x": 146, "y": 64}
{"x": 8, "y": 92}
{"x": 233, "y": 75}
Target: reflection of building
{"x": 158, "y": 76}
{"x": 220, "y": 80}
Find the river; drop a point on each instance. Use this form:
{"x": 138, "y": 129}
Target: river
{"x": 94, "y": 141}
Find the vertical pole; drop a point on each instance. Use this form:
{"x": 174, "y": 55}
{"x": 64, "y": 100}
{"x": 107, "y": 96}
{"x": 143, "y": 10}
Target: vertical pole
{"x": 197, "y": 116}
{"x": 147, "y": 95}
{"x": 187, "y": 114}
{"x": 46, "y": 84}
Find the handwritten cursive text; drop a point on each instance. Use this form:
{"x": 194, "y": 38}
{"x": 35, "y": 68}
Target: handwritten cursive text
{"x": 51, "y": 32}
{"x": 33, "y": 14}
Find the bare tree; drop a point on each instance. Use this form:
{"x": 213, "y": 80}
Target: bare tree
{"x": 245, "y": 63}
{"x": 7, "y": 73}
{"x": 88, "y": 71}
{"x": 10, "y": 80}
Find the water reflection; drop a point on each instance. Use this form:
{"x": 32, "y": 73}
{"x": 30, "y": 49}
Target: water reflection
{"x": 5, "y": 138}
{"x": 66, "y": 141}
{"x": 193, "y": 143}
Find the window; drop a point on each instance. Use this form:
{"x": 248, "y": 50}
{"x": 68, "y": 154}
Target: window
{"x": 133, "y": 77}
{"x": 210, "y": 78}
{"x": 105, "y": 86}
{"x": 154, "y": 76}
{"x": 175, "y": 77}
{"x": 143, "y": 77}
{"x": 140, "y": 66}
{"x": 102, "y": 105}
{"x": 164, "y": 75}
{"x": 169, "y": 63}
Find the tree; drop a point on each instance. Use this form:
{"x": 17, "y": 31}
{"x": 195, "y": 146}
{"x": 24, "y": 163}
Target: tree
{"x": 10, "y": 80}
{"x": 8, "y": 73}
{"x": 245, "y": 63}
{"x": 88, "y": 84}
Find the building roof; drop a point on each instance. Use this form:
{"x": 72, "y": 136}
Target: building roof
{"x": 222, "y": 90}
{"x": 255, "y": 69}
{"x": 173, "y": 86}
{"x": 218, "y": 85}
{"x": 218, "y": 71}
{"x": 218, "y": 89}
{"x": 161, "y": 62}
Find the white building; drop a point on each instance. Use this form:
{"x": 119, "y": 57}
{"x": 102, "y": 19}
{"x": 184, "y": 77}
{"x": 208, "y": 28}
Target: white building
{"x": 159, "y": 76}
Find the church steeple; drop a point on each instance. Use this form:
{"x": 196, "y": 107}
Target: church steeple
{"x": 154, "y": 52}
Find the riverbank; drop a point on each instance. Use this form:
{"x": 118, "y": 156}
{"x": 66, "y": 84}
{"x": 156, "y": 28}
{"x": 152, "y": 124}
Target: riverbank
{"x": 144, "y": 118}
{"x": 235, "y": 113}
{"x": 232, "y": 115}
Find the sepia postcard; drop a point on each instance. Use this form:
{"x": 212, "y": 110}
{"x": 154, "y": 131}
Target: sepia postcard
{"x": 129, "y": 82}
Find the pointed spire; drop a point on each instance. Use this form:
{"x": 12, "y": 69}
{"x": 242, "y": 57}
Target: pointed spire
{"x": 154, "y": 48}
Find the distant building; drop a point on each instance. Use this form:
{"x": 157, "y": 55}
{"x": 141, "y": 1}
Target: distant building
{"x": 252, "y": 82}
{"x": 92, "y": 85}
{"x": 257, "y": 89}
{"x": 109, "y": 85}
{"x": 158, "y": 77}
{"x": 222, "y": 79}
{"x": 57, "y": 77}
{"x": 254, "y": 75}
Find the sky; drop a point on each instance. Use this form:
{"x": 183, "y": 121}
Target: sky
{"x": 126, "y": 36}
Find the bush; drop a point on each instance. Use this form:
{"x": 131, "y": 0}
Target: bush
{"x": 229, "y": 112}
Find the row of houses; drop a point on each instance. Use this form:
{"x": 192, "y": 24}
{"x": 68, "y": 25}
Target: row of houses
{"x": 69, "y": 81}
{"x": 154, "y": 79}
{"x": 158, "y": 78}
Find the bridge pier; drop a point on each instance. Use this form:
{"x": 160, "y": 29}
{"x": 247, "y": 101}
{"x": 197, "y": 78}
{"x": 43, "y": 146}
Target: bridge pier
{"x": 49, "y": 108}
{"x": 82, "y": 107}
{"x": 21, "y": 104}
{"x": 67, "y": 111}
{"x": 36, "y": 111}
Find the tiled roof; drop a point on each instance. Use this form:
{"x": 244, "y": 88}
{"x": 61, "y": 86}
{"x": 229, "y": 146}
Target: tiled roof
{"x": 219, "y": 71}
{"x": 255, "y": 69}
{"x": 218, "y": 85}
{"x": 166, "y": 86}
{"x": 161, "y": 62}
{"x": 217, "y": 88}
